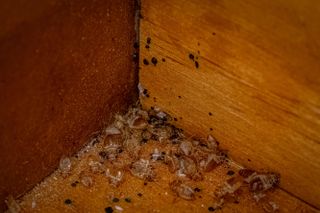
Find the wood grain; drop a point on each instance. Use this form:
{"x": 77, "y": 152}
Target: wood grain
{"x": 258, "y": 75}
{"x": 65, "y": 67}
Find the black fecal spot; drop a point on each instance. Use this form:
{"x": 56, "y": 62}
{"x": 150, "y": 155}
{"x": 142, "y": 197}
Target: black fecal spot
{"x": 211, "y": 129}
{"x": 191, "y": 56}
{"x": 154, "y": 99}
{"x": 214, "y": 33}
{"x": 163, "y": 60}
{"x": 68, "y": 201}
{"x": 249, "y": 160}
{"x": 179, "y": 96}
{"x": 147, "y": 46}
{"x": 175, "y": 119}
{"x": 211, "y": 209}
{"x": 197, "y": 189}
{"x": 108, "y": 209}
{"x": 148, "y": 40}
{"x": 128, "y": 200}
{"x": 196, "y": 64}
{"x": 115, "y": 200}
{"x": 139, "y": 194}
{"x": 230, "y": 173}
{"x": 154, "y": 61}
{"x": 199, "y": 52}
{"x": 136, "y": 45}
{"x": 210, "y": 114}
{"x": 146, "y": 62}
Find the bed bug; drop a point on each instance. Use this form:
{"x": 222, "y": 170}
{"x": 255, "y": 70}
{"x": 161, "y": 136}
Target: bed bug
{"x": 172, "y": 161}
{"x": 114, "y": 180}
{"x": 137, "y": 122}
{"x": 186, "y": 147}
{"x": 65, "y": 166}
{"x": 182, "y": 190}
{"x": 86, "y": 179}
{"x": 263, "y": 182}
{"x": 142, "y": 169}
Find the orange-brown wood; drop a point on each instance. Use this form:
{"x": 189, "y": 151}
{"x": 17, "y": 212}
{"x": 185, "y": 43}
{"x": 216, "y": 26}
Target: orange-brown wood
{"x": 257, "y": 87}
{"x": 156, "y": 196}
{"x": 65, "y": 67}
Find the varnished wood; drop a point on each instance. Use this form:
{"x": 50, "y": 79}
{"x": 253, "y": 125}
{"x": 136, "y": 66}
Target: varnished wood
{"x": 258, "y": 75}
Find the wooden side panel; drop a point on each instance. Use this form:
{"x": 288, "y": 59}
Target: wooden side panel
{"x": 257, "y": 86}
{"x": 65, "y": 68}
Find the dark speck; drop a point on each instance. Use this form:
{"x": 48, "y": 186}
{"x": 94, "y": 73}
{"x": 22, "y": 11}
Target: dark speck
{"x": 136, "y": 45}
{"x": 213, "y": 33}
{"x": 148, "y": 40}
{"x": 175, "y": 119}
{"x": 211, "y": 129}
{"x": 103, "y": 154}
{"x": 145, "y": 183}
{"x": 163, "y": 60}
{"x": 154, "y": 61}
{"x": 128, "y": 200}
{"x": 74, "y": 184}
{"x": 146, "y": 62}
{"x": 108, "y": 209}
{"x": 154, "y": 99}
{"x": 211, "y": 209}
{"x": 68, "y": 201}
{"x": 197, "y": 189}
{"x": 249, "y": 160}
{"x": 236, "y": 202}
{"x": 139, "y": 194}
{"x": 115, "y": 200}
{"x": 191, "y": 56}
{"x": 179, "y": 96}
{"x": 198, "y": 43}
{"x": 230, "y": 172}
{"x": 210, "y": 113}
{"x": 147, "y": 46}
{"x": 196, "y": 64}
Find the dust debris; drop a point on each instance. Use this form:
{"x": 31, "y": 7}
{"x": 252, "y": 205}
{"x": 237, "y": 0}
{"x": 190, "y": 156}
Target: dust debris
{"x": 119, "y": 208}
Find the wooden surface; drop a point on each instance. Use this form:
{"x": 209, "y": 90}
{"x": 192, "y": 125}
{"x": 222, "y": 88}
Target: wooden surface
{"x": 156, "y": 196}
{"x": 257, "y": 88}
{"x": 65, "y": 66}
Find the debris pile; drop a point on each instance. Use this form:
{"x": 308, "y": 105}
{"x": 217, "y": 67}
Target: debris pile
{"x": 119, "y": 151}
